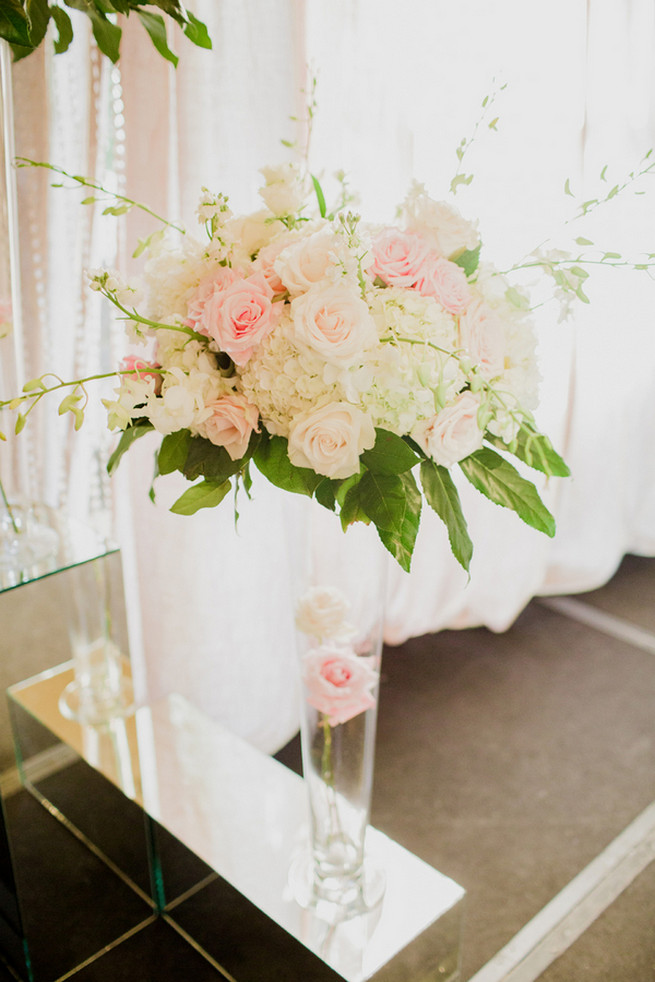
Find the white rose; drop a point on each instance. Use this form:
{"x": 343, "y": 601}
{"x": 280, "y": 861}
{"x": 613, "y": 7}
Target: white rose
{"x": 330, "y": 439}
{"x": 334, "y": 322}
{"x": 307, "y": 261}
{"x": 322, "y": 611}
{"x": 453, "y": 433}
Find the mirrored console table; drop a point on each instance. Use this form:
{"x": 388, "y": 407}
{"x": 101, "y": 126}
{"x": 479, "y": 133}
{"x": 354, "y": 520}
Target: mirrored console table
{"x": 197, "y": 830}
{"x": 34, "y": 636}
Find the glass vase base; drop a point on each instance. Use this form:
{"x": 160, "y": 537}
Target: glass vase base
{"x": 86, "y": 709}
{"x": 335, "y": 898}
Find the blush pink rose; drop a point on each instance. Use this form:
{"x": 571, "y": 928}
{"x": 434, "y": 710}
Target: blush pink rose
{"x": 142, "y": 369}
{"x": 199, "y": 309}
{"x": 453, "y": 433}
{"x": 240, "y": 316}
{"x": 338, "y": 683}
{"x": 399, "y": 258}
{"x": 231, "y": 424}
{"x": 481, "y": 333}
{"x": 265, "y": 262}
{"x": 447, "y": 283}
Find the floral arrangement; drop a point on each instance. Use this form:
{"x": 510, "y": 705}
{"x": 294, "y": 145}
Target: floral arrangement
{"x": 345, "y": 361}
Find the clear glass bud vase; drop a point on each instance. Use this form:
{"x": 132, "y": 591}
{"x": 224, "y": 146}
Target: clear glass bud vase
{"x": 339, "y": 615}
{"x": 101, "y": 689}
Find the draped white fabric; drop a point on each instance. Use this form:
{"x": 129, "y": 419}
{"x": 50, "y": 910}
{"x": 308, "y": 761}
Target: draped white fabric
{"x": 398, "y": 88}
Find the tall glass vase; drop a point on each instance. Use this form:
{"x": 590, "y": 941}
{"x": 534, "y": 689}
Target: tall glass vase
{"x": 101, "y": 689}
{"x": 339, "y": 614}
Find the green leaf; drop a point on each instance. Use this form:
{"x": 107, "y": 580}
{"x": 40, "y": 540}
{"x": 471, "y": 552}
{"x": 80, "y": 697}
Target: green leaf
{"x": 401, "y": 542}
{"x": 535, "y": 450}
{"x": 156, "y": 28}
{"x": 382, "y": 497}
{"x": 320, "y": 197}
{"x": 495, "y": 477}
{"x": 516, "y": 298}
{"x": 128, "y": 437}
{"x": 38, "y": 15}
{"x": 272, "y": 459}
{"x": 567, "y": 188}
{"x": 441, "y": 494}
{"x": 14, "y": 25}
{"x": 117, "y": 209}
{"x": 205, "y": 459}
{"x": 469, "y": 259}
{"x": 581, "y": 241}
{"x": 106, "y": 34}
{"x": 460, "y": 179}
{"x": 389, "y": 455}
{"x": 207, "y": 494}
{"x": 173, "y": 8}
{"x": 325, "y": 494}
{"x": 197, "y": 32}
{"x": 351, "y": 507}
{"x": 172, "y": 454}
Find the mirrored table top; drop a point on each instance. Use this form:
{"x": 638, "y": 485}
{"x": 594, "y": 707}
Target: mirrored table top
{"x": 245, "y": 815}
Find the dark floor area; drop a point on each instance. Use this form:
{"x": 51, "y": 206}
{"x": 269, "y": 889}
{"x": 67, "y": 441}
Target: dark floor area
{"x": 508, "y": 762}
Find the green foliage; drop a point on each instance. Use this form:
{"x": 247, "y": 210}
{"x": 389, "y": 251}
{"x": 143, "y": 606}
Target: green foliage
{"x": 272, "y": 460}
{"x": 469, "y": 260}
{"x": 206, "y": 494}
{"x": 534, "y": 449}
{"x": 173, "y": 452}
{"x": 128, "y": 437}
{"x": 499, "y": 481}
{"x": 441, "y": 494}
{"x": 320, "y": 197}
{"x": 390, "y": 454}
{"x": 24, "y": 23}
{"x": 401, "y": 540}
{"x": 14, "y": 23}
{"x": 205, "y": 459}
{"x": 156, "y": 28}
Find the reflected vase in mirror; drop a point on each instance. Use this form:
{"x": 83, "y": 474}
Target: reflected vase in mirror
{"x": 101, "y": 689}
{"x": 27, "y": 541}
{"x": 340, "y": 594}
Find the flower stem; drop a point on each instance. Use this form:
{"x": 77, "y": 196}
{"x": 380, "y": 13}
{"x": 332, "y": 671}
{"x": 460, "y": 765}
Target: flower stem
{"x": 8, "y": 507}
{"x": 86, "y": 183}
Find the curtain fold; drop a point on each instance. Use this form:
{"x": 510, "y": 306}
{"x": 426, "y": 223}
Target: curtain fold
{"x": 398, "y": 89}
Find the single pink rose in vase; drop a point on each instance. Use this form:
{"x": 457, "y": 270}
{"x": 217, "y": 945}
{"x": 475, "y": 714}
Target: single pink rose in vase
{"x": 338, "y": 683}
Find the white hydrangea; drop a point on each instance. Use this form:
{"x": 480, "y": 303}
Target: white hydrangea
{"x": 172, "y": 275}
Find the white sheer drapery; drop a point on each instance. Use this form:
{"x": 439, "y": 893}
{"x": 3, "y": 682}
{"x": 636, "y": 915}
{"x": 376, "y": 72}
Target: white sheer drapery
{"x": 399, "y": 86}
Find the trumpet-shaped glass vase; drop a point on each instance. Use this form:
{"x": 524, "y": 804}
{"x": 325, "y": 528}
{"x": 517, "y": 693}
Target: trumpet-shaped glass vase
{"x": 339, "y": 613}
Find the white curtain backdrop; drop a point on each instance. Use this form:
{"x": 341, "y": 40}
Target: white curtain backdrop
{"x": 398, "y": 87}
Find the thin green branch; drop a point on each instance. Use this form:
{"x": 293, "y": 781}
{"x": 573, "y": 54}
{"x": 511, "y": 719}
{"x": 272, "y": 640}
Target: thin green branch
{"x": 127, "y": 203}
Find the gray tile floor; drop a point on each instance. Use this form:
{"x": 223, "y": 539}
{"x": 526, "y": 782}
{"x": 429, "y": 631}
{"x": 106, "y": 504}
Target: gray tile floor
{"x": 509, "y": 762}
